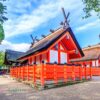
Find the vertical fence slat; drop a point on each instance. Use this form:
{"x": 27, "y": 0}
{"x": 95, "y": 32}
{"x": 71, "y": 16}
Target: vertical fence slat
{"x": 90, "y": 72}
{"x": 73, "y": 73}
{"x": 80, "y": 73}
{"x": 65, "y": 73}
{"x": 34, "y": 77}
{"x": 42, "y": 74}
{"x": 55, "y": 73}
{"x": 85, "y": 73}
{"x": 27, "y": 72}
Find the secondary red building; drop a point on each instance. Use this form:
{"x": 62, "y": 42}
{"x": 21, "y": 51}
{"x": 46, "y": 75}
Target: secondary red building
{"x": 91, "y": 56}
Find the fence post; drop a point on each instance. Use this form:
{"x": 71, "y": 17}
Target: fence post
{"x": 42, "y": 74}
{"x": 23, "y": 73}
{"x": 27, "y": 72}
{"x": 12, "y": 71}
{"x": 73, "y": 73}
{"x": 65, "y": 73}
{"x": 34, "y": 77}
{"x": 17, "y": 71}
{"x": 85, "y": 73}
{"x": 20, "y": 72}
{"x": 80, "y": 72}
{"x": 90, "y": 71}
{"x": 55, "y": 74}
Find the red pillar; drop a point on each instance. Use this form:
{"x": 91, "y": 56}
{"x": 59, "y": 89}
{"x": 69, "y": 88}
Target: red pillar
{"x": 42, "y": 74}
{"x": 80, "y": 72}
{"x": 48, "y": 56}
{"x": 55, "y": 74}
{"x": 65, "y": 73}
{"x": 34, "y": 73}
{"x": 85, "y": 72}
{"x": 27, "y": 72}
{"x": 90, "y": 70}
{"x": 59, "y": 53}
{"x": 73, "y": 73}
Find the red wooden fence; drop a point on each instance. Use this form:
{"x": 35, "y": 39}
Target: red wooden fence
{"x": 96, "y": 71}
{"x": 54, "y": 72}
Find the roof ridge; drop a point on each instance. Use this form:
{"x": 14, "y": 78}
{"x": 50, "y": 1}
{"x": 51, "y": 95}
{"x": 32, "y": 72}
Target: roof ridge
{"x": 91, "y": 46}
{"x": 47, "y": 36}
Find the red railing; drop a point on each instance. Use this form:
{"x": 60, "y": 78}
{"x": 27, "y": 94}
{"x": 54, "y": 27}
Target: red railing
{"x": 96, "y": 71}
{"x": 54, "y": 72}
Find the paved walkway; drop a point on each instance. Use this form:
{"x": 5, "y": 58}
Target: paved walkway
{"x": 13, "y": 90}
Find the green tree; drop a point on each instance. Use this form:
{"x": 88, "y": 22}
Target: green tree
{"x": 2, "y": 55}
{"x": 91, "y": 5}
{"x": 1, "y": 33}
{"x": 2, "y": 19}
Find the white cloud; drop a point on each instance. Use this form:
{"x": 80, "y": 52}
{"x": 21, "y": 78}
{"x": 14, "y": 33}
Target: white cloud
{"x": 88, "y": 25}
{"x": 29, "y": 19}
{"x": 17, "y": 47}
{"x": 27, "y": 22}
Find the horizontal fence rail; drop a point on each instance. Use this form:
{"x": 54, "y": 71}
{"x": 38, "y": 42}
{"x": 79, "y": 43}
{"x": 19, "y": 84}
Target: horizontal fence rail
{"x": 53, "y": 72}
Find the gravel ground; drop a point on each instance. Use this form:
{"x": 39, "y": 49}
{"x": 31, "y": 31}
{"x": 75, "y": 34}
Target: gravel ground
{"x": 13, "y": 90}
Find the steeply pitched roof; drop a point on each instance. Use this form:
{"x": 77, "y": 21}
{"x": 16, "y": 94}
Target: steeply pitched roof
{"x": 91, "y": 53}
{"x": 46, "y": 42}
{"x": 12, "y": 56}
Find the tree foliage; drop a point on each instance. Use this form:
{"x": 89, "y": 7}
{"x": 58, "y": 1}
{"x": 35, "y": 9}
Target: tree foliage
{"x": 2, "y": 55}
{"x": 91, "y": 5}
{"x": 1, "y": 33}
{"x": 2, "y": 18}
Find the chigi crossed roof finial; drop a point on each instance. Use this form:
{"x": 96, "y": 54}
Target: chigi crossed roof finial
{"x": 66, "y": 22}
{"x": 33, "y": 40}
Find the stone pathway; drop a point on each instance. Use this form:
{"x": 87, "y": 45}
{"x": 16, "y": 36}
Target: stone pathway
{"x": 13, "y": 90}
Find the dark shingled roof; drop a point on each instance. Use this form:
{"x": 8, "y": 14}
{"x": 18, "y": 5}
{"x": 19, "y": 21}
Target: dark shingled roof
{"x": 91, "y": 53}
{"x": 46, "y": 42}
{"x": 12, "y": 56}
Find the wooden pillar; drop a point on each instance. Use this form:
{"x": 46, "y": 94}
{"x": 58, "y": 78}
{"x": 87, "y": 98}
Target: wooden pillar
{"x": 28, "y": 72}
{"x": 80, "y": 72}
{"x": 90, "y": 70}
{"x": 65, "y": 73}
{"x": 73, "y": 73}
{"x": 48, "y": 56}
{"x": 55, "y": 74}
{"x": 59, "y": 53}
{"x": 85, "y": 72}
{"x": 42, "y": 74}
{"x": 19, "y": 72}
{"x": 67, "y": 58}
{"x": 40, "y": 59}
{"x": 34, "y": 74}
{"x": 22, "y": 72}
{"x": 35, "y": 59}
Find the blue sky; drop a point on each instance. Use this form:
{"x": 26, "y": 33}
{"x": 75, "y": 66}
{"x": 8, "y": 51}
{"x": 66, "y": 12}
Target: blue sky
{"x": 37, "y": 17}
